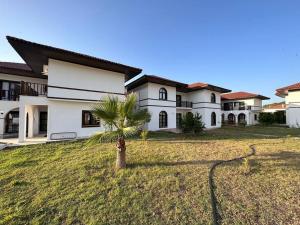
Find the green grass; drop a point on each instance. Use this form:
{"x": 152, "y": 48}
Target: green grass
{"x": 166, "y": 181}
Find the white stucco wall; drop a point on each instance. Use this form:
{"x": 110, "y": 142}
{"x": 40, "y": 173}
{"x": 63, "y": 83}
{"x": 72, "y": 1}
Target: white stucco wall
{"x": 293, "y": 108}
{"x": 66, "y": 116}
{"x": 95, "y": 83}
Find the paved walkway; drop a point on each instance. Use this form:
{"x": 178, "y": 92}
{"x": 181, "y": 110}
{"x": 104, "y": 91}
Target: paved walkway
{"x": 14, "y": 141}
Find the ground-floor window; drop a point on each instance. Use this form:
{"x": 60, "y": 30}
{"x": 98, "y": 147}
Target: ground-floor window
{"x": 213, "y": 119}
{"x": 178, "y": 120}
{"x": 231, "y": 118}
{"x": 241, "y": 118}
{"x": 255, "y": 117}
{"x": 89, "y": 120}
{"x": 12, "y": 122}
{"x": 163, "y": 119}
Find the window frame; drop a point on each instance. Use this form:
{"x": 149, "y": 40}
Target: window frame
{"x": 213, "y": 98}
{"x": 163, "y": 119}
{"x": 83, "y": 125}
{"x": 163, "y": 94}
{"x": 213, "y": 119}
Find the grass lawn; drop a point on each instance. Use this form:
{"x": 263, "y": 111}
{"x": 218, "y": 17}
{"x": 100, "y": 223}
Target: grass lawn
{"x": 166, "y": 181}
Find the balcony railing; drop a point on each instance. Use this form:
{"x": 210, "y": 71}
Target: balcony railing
{"x": 184, "y": 104}
{"x": 33, "y": 89}
{"x": 26, "y": 88}
{"x": 237, "y": 108}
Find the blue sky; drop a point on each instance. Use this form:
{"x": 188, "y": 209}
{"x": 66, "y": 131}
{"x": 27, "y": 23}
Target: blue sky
{"x": 243, "y": 45}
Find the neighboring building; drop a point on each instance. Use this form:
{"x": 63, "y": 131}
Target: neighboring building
{"x": 169, "y": 100}
{"x": 291, "y": 94}
{"x": 52, "y": 95}
{"x": 274, "y": 107}
{"x": 241, "y": 107}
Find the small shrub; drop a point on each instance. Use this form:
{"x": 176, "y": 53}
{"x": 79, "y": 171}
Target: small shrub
{"x": 144, "y": 135}
{"x": 192, "y": 123}
{"x": 266, "y": 118}
{"x": 246, "y": 166}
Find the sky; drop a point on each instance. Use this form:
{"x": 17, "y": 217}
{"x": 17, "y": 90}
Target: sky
{"x": 242, "y": 45}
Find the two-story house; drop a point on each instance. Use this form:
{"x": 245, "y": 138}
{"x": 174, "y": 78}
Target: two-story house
{"x": 169, "y": 100}
{"x": 54, "y": 92}
{"x": 291, "y": 94}
{"x": 241, "y": 107}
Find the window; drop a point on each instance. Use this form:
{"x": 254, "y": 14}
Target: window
{"x": 89, "y": 120}
{"x": 163, "y": 94}
{"x": 213, "y": 98}
{"x": 241, "y": 118}
{"x": 213, "y": 119}
{"x": 163, "y": 119}
{"x": 255, "y": 117}
{"x": 9, "y": 90}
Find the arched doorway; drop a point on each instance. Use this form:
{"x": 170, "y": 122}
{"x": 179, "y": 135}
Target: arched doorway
{"x": 11, "y": 122}
{"x": 241, "y": 118}
{"x": 231, "y": 118}
{"x": 213, "y": 119}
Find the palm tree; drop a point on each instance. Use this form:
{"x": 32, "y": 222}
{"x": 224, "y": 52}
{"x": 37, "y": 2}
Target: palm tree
{"x": 121, "y": 120}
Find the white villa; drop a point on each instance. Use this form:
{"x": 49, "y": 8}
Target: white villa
{"x": 241, "y": 107}
{"x": 168, "y": 100}
{"x": 291, "y": 94}
{"x": 51, "y": 95}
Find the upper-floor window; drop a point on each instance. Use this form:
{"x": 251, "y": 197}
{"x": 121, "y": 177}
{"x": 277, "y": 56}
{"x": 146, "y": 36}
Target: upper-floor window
{"x": 89, "y": 120}
{"x": 9, "y": 90}
{"x": 163, "y": 94}
{"x": 213, "y": 98}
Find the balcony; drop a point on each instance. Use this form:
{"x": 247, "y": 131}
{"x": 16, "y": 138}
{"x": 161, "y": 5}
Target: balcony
{"x": 236, "y": 108}
{"x": 33, "y": 89}
{"x": 24, "y": 88}
{"x": 184, "y": 104}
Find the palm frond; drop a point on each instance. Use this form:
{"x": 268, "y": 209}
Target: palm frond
{"x": 107, "y": 110}
{"x": 101, "y": 137}
{"x": 130, "y": 131}
{"x": 139, "y": 117}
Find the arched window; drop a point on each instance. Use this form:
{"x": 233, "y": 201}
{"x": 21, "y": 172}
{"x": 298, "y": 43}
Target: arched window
{"x": 231, "y": 118}
{"x": 213, "y": 98}
{"x": 163, "y": 119}
{"x": 213, "y": 119}
{"x": 163, "y": 94}
{"x": 241, "y": 118}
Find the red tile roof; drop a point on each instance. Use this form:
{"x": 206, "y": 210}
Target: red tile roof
{"x": 284, "y": 90}
{"x": 242, "y": 95}
{"x": 280, "y": 105}
{"x": 181, "y": 87}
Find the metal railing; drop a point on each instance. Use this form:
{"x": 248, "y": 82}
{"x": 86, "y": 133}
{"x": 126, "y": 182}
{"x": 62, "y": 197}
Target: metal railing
{"x": 237, "y": 108}
{"x": 33, "y": 89}
{"x": 184, "y": 104}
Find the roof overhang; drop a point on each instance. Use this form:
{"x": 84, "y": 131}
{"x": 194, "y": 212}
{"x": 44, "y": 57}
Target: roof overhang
{"x": 37, "y": 55}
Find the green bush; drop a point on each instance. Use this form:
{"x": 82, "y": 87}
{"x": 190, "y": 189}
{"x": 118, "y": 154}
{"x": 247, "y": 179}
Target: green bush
{"x": 266, "y": 118}
{"x": 279, "y": 117}
{"x": 192, "y": 123}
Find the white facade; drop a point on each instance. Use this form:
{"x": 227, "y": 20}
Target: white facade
{"x": 198, "y": 101}
{"x": 244, "y": 111}
{"x": 292, "y": 100}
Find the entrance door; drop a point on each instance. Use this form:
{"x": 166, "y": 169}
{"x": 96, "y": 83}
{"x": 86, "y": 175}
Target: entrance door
{"x": 43, "y": 121}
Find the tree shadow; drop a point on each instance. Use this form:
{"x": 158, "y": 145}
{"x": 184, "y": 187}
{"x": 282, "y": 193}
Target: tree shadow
{"x": 167, "y": 164}
{"x": 283, "y": 159}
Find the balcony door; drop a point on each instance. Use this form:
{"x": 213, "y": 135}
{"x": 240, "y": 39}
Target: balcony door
{"x": 178, "y": 100}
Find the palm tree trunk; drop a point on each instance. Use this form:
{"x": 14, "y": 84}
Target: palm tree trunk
{"x": 121, "y": 153}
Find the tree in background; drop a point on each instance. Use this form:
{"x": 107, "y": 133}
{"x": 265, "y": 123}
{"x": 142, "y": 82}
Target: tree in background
{"x": 192, "y": 123}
